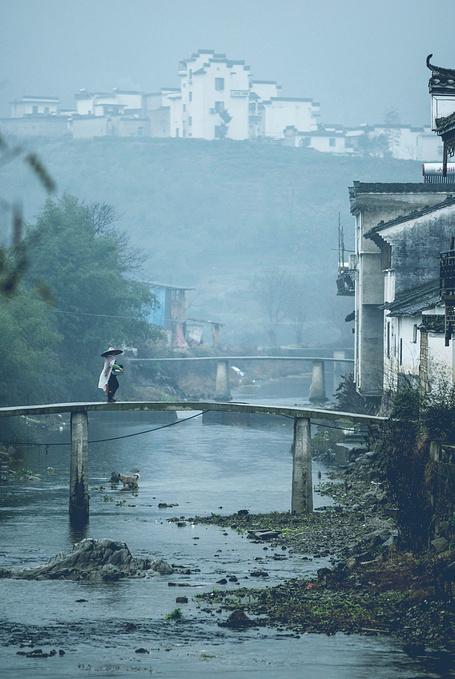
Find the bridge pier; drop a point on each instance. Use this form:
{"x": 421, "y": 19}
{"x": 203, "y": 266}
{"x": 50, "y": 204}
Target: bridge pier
{"x": 302, "y": 482}
{"x": 317, "y": 387}
{"x": 79, "y": 497}
{"x": 222, "y": 384}
{"x": 337, "y": 369}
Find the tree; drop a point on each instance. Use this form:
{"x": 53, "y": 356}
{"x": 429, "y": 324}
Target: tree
{"x": 52, "y": 349}
{"x": 29, "y": 346}
{"x": 88, "y": 267}
{"x": 280, "y": 296}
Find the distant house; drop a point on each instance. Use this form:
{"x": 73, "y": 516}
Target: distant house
{"x": 170, "y": 312}
{"x": 164, "y": 109}
{"x": 395, "y": 141}
{"x": 36, "y": 116}
{"x": 108, "y": 103}
{"x": 215, "y": 96}
{"x": 282, "y": 112}
{"x": 322, "y": 139}
{"x": 34, "y": 106}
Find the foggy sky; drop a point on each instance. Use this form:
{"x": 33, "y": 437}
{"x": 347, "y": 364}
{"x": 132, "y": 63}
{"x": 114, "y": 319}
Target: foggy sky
{"x": 359, "y": 58}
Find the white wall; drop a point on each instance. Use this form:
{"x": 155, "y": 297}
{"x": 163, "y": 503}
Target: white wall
{"x": 441, "y": 107}
{"x": 325, "y": 143}
{"x": 265, "y": 90}
{"x": 88, "y": 127}
{"x": 280, "y": 113}
{"x": 24, "y": 107}
{"x": 200, "y": 98}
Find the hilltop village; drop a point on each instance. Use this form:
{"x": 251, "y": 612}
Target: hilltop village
{"x": 217, "y": 98}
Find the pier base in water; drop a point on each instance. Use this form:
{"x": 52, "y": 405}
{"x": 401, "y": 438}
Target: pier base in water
{"x": 317, "y": 387}
{"x": 302, "y": 482}
{"x": 79, "y": 497}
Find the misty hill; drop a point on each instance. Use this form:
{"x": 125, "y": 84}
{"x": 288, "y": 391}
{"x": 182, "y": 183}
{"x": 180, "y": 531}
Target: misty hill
{"x": 216, "y": 214}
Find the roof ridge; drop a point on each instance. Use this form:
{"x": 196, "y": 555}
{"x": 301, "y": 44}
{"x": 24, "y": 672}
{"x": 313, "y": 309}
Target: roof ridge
{"x": 414, "y": 214}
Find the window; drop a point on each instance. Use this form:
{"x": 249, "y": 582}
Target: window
{"x": 219, "y": 84}
{"x": 401, "y": 351}
{"x": 34, "y": 108}
{"x": 332, "y": 141}
{"x": 219, "y": 106}
{"x": 190, "y": 96}
{"x": 414, "y": 333}
{"x": 190, "y": 120}
{"x": 388, "y": 339}
{"x": 220, "y": 131}
{"x": 184, "y": 108}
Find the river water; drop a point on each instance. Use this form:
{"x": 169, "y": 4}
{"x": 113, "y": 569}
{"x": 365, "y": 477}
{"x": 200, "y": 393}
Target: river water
{"x": 202, "y": 468}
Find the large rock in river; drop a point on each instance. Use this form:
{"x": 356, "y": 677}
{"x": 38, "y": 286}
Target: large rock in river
{"x": 90, "y": 559}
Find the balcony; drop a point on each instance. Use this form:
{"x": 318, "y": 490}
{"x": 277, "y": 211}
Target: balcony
{"x": 346, "y": 282}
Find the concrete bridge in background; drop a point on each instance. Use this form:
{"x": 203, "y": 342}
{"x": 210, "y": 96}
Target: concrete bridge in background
{"x": 301, "y": 488}
{"x": 317, "y": 392}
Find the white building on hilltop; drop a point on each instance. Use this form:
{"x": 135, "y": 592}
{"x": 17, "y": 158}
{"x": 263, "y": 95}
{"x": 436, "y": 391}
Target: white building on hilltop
{"x": 34, "y": 106}
{"x": 215, "y": 96}
{"x": 107, "y": 103}
{"x": 164, "y": 109}
{"x": 280, "y": 113}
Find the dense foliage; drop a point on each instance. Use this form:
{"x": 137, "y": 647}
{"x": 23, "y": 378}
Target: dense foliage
{"x": 413, "y": 477}
{"x": 52, "y": 349}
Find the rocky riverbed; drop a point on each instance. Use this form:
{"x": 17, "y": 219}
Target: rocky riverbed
{"x": 372, "y": 587}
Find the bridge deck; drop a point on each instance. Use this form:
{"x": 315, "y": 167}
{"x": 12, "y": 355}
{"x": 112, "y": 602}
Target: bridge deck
{"x": 241, "y": 358}
{"x": 217, "y": 406}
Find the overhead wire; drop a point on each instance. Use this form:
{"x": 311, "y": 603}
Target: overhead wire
{"x": 112, "y": 438}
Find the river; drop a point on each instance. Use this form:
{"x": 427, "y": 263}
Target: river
{"x": 202, "y": 468}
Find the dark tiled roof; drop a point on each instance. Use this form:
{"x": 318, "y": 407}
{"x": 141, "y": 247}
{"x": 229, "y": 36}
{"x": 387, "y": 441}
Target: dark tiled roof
{"x": 291, "y": 99}
{"x": 442, "y": 80}
{"x": 416, "y": 300}
{"x": 395, "y": 187}
{"x": 427, "y": 209}
{"x": 444, "y": 125}
{"x": 34, "y": 97}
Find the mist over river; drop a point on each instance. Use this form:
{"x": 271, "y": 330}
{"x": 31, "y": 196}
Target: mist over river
{"x": 204, "y": 468}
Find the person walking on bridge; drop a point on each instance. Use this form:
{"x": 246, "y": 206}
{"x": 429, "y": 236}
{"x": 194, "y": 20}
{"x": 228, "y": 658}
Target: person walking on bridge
{"x": 108, "y": 381}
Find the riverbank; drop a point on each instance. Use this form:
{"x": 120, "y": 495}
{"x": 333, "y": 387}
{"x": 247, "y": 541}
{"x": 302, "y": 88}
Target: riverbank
{"x": 371, "y": 588}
